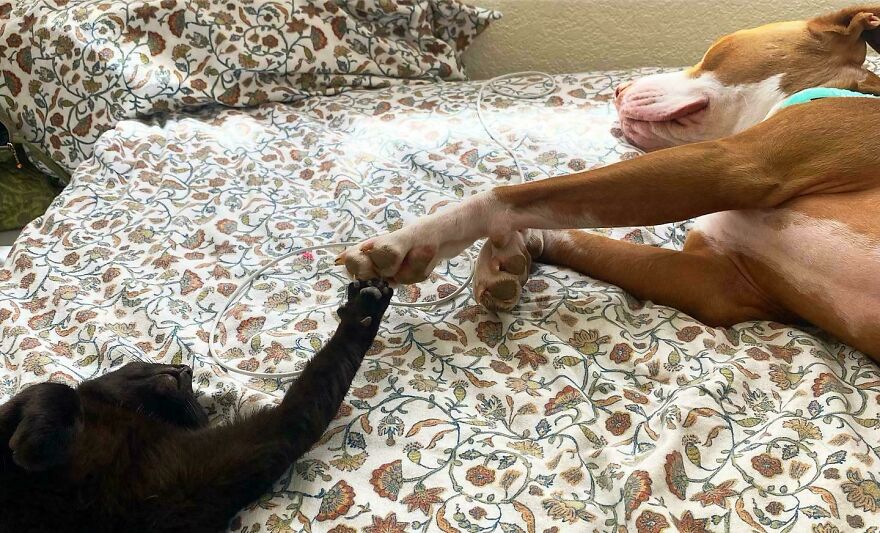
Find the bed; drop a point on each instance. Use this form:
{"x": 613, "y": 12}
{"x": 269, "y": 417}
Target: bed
{"x": 582, "y": 409}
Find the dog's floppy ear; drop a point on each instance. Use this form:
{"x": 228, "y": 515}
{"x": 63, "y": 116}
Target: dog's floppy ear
{"x": 40, "y": 424}
{"x": 852, "y": 23}
{"x": 870, "y": 85}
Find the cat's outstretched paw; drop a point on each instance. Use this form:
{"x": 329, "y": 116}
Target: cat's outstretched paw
{"x": 367, "y": 302}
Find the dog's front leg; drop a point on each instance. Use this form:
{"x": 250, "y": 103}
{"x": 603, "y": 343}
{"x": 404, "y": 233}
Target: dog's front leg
{"x": 798, "y": 151}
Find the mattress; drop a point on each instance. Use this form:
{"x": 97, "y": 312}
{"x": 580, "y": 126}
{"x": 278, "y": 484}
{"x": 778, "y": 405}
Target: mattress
{"x": 582, "y": 409}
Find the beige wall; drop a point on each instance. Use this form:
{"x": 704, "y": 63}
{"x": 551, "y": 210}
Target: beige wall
{"x": 579, "y": 35}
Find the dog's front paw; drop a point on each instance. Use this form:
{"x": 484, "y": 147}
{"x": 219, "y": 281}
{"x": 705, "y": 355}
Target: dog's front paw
{"x": 410, "y": 254}
{"x": 404, "y": 256}
{"x": 366, "y": 303}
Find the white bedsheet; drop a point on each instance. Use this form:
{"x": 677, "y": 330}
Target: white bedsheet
{"x": 583, "y": 409}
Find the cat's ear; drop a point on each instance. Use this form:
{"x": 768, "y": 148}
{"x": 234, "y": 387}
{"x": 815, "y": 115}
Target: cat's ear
{"x": 40, "y": 424}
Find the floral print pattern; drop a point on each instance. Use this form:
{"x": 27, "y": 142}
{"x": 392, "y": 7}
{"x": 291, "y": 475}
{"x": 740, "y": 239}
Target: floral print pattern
{"x": 581, "y": 410}
{"x": 72, "y": 69}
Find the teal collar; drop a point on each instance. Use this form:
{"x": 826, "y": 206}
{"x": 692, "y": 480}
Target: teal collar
{"x": 818, "y": 93}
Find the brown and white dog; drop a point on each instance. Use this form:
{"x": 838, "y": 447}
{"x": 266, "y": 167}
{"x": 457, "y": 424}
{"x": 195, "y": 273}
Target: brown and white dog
{"x": 788, "y": 202}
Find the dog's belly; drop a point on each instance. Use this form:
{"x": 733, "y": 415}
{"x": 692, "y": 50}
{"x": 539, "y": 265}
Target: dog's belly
{"x": 817, "y": 256}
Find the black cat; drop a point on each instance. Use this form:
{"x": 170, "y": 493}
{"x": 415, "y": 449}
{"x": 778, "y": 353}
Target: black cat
{"x": 131, "y": 451}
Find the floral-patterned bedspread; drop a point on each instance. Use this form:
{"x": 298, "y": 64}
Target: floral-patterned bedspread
{"x": 582, "y": 410}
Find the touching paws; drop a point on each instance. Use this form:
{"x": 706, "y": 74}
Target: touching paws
{"x": 366, "y": 303}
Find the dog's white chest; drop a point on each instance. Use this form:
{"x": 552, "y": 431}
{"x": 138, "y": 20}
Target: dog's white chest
{"x": 819, "y": 257}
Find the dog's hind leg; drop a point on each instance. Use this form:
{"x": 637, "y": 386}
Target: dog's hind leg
{"x": 710, "y": 287}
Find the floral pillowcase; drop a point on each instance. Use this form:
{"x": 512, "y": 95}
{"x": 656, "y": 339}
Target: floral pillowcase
{"x": 71, "y": 69}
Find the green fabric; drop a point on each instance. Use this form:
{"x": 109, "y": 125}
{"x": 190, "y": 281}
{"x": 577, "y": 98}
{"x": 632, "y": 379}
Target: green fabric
{"x": 25, "y": 193}
{"x": 818, "y": 93}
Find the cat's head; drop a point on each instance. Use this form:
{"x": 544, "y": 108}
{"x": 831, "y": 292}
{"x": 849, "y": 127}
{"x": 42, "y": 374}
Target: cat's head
{"x": 42, "y": 421}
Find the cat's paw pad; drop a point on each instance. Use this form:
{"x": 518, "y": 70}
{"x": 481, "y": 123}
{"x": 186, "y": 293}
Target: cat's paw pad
{"x": 367, "y": 302}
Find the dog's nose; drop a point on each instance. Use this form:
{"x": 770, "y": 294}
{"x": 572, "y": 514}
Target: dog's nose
{"x": 620, "y": 89}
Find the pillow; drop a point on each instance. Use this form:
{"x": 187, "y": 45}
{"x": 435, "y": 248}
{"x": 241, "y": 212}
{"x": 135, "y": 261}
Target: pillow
{"x": 459, "y": 24}
{"x": 73, "y": 68}
{"x": 451, "y": 21}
